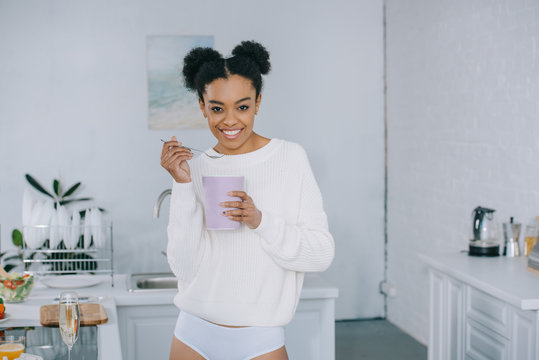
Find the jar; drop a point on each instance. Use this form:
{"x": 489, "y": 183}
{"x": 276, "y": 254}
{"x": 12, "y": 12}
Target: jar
{"x": 531, "y": 236}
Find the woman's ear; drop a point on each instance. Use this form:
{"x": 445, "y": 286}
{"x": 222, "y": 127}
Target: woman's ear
{"x": 202, "y": 108}
{"x": 257, "y": 104}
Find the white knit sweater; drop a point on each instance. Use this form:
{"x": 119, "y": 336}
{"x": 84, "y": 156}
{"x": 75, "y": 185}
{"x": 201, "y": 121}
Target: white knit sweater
{"x": 249, "y": 277}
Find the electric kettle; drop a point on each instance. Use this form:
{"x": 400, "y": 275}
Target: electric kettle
{"x": 485, "y": 240}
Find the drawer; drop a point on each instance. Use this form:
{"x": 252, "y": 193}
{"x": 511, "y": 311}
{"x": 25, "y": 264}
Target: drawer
{"x": 482, "y": 343}
{"x": 488, "y": 311}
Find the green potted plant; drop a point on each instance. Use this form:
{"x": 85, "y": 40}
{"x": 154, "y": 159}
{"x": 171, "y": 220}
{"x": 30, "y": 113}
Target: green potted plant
{"x": 71, "y": 262}
{"x": 12, "y": 259}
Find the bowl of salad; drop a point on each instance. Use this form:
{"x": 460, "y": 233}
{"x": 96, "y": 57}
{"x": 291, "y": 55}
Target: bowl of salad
{"x": 16, "y": 287}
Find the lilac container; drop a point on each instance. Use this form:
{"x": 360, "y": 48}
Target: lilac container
{"x": 215, "y": 192}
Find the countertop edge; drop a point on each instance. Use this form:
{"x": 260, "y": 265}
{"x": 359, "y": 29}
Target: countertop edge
{"x": 109, "y": 349}
{"x": 433, "y": 261}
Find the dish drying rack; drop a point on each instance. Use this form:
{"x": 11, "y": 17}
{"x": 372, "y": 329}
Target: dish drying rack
{"x": 75, "y": 250}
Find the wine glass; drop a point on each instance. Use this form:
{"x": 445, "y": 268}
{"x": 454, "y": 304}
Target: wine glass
{"x": 69, "y": 319}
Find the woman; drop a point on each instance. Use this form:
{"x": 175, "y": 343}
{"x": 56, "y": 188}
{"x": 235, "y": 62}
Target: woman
{"x": 237, "y": 289}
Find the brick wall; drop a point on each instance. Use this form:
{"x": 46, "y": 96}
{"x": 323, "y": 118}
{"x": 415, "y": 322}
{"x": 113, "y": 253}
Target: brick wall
{"x": 463, "y": 130}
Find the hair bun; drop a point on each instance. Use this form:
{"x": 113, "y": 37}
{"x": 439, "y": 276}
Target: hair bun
{"x": 255, "y": 52}
{"x": 194, "y": 60}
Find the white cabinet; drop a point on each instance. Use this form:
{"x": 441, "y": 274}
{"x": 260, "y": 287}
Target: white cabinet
{"x": 311, "y": 333}
{"x": 446, "y": 304}
{"x": 467, "y": 323}
{"x": 524, "y": 335}
{"x": 146, "y": 330}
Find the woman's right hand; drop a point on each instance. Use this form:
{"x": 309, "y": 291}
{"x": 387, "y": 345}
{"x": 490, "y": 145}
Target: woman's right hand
{"x": 174, "y": 159}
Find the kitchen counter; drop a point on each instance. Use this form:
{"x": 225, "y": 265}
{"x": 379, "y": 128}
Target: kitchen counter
{"x": 505, "y": 278}
{"x": 314, "y": 287}
{"x": 27, "y": 313}
{"x": 482, "y": 307}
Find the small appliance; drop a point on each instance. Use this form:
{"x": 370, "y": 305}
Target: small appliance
{"x": 485, "y": 239}
{"x": 511, "y": 233}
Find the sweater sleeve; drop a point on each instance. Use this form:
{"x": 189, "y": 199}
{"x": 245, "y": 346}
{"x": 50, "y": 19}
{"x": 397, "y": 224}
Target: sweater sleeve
{"x": 306, "y": 246}
{"x": 187, "y": 238}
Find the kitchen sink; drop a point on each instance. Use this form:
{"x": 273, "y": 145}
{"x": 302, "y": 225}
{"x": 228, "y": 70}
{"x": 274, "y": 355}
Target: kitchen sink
{"x": 149, "y": 282}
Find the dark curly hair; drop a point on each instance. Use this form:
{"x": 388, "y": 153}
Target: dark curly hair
{"x": 201, "y": 66}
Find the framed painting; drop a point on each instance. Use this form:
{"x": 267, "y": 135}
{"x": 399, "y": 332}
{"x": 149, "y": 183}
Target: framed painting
{"x": 170, "y": 104}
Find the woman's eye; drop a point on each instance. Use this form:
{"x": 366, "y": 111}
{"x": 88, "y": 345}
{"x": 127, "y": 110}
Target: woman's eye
{"x": 243, "y": 107}
{"x": 216, "y": 109}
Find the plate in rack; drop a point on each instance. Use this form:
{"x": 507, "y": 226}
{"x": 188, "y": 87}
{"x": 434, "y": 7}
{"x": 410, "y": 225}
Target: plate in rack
{"x": 70, "y": 281}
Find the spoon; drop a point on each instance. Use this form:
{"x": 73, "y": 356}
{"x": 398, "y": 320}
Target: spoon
{"x": 201, "y": 151}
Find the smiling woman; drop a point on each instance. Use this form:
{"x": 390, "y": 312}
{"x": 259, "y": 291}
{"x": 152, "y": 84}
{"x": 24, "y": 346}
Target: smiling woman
{"x": 237, "y": 289}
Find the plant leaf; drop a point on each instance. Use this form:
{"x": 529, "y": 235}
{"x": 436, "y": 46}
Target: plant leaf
{"x": 72, "y": 189}
{"x": 63, "y": 202}
{"x": 16, "y": 238}
{"x": 8, "y": 267}
{"x": 37, "y": 185}
{"x": 57, "y": 188}
{"x": 12, "y": 257}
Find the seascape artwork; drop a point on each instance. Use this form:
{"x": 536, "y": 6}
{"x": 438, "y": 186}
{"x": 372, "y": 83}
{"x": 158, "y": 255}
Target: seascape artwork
{"x": 170, "y": 104}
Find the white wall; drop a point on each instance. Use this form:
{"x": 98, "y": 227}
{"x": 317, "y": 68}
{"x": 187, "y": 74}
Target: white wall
{"x": 73, "y": 103}
{"x": 463, "y": 90}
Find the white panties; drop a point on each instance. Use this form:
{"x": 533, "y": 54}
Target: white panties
{"x": 216, "y": 342}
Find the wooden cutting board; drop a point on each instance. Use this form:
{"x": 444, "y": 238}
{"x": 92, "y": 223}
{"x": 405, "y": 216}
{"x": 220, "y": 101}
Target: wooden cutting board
{"x": 90, "y": 314}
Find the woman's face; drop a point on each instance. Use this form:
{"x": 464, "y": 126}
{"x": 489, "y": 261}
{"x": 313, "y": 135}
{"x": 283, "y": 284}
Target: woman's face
{"x": 230, "y": 106}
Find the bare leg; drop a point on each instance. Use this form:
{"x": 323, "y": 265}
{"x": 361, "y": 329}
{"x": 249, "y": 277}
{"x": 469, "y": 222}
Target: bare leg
{"x": 279, "y": 354}
{"x": 180, "y": 351}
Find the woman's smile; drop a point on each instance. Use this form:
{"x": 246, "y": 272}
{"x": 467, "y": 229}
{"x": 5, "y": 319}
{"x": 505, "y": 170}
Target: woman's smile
{"x": 231, "y": 134}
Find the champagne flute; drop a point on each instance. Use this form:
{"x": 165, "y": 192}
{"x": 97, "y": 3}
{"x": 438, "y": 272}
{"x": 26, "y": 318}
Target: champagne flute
{"x": 69, "y": 319}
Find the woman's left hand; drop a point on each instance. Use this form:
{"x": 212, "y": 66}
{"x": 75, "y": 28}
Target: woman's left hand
{"x": 246, "y": 212}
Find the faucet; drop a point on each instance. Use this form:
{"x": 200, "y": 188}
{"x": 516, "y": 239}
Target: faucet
{"x": 160, "y": 199}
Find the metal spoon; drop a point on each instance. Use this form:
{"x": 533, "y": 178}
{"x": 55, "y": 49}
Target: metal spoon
{"x": 201, "y": 151}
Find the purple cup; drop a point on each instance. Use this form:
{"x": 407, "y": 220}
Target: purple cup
{"x": 215, "y": 192}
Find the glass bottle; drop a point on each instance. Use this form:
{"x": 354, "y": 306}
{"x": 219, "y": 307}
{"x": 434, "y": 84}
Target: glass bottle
{"x": 531, "y": 236}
